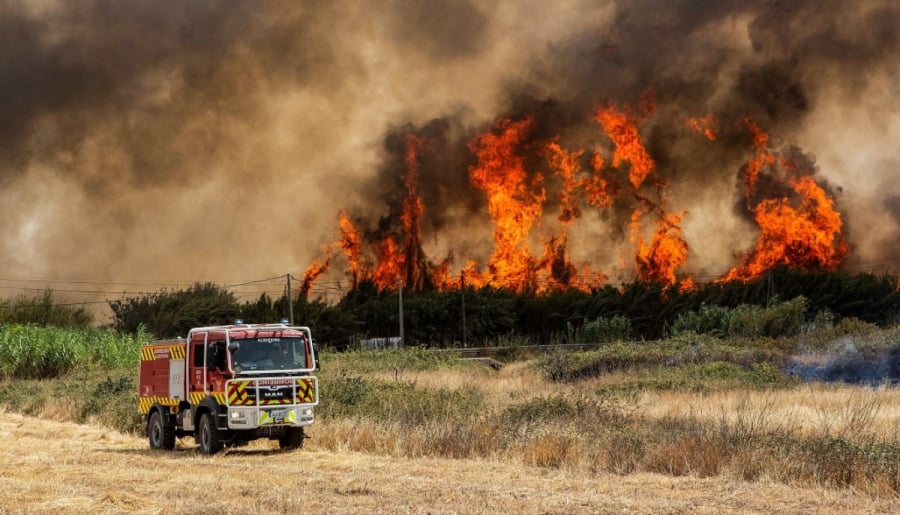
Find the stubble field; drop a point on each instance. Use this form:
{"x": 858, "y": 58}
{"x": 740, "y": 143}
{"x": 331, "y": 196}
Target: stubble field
{"x": 61, "y": 467}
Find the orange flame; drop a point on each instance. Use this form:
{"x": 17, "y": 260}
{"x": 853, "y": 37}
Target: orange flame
{"x": 600, "y": 192}
{"x": 391, "y": 261}
{"x": 313, "y": 271}
{"x": 803, "y": 231}
{"x": 514, "y": 204}
{"x": 351, "y": 243}
{"x": 667, "y": 251}
{"x": 566, "y": 166}
{"x": 708, "y": 126}
{"x": 628, "y": 143}
{"x": 799, "y": 227}
{"x": 658, "y": 260}
{"x": 761, "y": 157}
{"x": 412, "y": 261}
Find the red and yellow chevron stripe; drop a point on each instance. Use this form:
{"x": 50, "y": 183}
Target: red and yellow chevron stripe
{"x": 162, "y": 351}
{"x": 306, "y": 391}
{"x": 238, "y": 393}
{"x": 197, "y": 397}
{"x": 144, "y": 403}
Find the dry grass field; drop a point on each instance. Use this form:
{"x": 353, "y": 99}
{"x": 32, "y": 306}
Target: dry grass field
{"x": 808, "y": 410}
{"x": 61, "y": 467}
{"x": 373, "y": 465}
{"x": 679, "y": 426}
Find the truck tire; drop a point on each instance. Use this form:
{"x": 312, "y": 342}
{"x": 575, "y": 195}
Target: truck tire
{"x": 208, "y": 435}
{"x": 292, "y": 439}
{"x": 161, "y": 435}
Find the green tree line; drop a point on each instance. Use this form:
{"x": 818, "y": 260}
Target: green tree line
{"x": 484, "y": 316}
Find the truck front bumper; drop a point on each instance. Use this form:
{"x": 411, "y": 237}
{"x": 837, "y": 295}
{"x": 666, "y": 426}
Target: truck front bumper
{"x": 255, "y": 417}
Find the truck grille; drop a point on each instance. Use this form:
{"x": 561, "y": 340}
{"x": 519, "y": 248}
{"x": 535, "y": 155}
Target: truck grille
{"x": 261, "y": 392}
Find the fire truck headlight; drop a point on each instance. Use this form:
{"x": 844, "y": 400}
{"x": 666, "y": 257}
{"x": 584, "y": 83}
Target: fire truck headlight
{"x": 306, "y": 412}
{"x": 238, "y": 415}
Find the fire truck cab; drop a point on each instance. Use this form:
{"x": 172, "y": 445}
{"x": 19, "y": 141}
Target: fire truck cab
{"x": 228, "y": 385}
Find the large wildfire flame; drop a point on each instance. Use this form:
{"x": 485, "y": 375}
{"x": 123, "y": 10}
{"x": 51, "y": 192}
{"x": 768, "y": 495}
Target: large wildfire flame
{"x": 514, "y": 167}
{"x": 800, "y": 229}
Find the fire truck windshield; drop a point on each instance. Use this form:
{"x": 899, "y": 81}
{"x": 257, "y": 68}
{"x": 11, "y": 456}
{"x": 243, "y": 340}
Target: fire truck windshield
{"x": 270, "y": 354}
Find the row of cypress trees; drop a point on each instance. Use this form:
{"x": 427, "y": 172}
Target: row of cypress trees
{"x": 486, "y": 315}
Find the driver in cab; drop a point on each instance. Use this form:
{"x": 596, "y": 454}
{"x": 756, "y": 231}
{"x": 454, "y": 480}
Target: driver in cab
{"x": 286, "y": 356}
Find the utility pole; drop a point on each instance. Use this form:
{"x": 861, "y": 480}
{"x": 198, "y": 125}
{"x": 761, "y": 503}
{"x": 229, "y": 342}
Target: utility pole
{"x": 462, "y": 291}
{"x": 290, "y": 300}
{"x": 400, "y": 291}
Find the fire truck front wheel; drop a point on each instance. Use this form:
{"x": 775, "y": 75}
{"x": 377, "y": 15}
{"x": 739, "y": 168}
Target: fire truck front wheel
{"x": 208, "y": 436}
{"x": 161, "y": 435}
{"x": 292, "y": 439}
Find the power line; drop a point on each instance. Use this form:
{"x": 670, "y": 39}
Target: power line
{"x": 272, "y": 285}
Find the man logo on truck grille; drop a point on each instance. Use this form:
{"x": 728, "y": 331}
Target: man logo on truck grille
{"x": 243, "y": 393}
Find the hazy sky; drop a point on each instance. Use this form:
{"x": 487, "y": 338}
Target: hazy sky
{"x": 178, "y": 141}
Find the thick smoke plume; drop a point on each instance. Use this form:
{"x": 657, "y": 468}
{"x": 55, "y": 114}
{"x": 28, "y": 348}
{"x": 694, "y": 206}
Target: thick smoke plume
{"x": 220, "y": 140}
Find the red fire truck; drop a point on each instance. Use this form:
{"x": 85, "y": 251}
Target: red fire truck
{"x": 228, "y": 385}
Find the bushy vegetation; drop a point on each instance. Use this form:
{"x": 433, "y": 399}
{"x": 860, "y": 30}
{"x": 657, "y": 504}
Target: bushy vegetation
{"x": 171, "y": 314}
{"x": 392, "y": 361}
{"x": 674, "y": 353}
{"x": 44, "y": 310}
{"x": 606, "y": 329}
{"x": 633, "y": 311}
{"x": 713, "y": 376}
{"x": 46, "y": 352}
{"x": 745, "y": 321}
{"x": 355, "y": 397}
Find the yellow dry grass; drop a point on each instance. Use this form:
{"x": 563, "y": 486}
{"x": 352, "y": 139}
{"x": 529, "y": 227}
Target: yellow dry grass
{"x": 810, "y": 410}
{"x": 515, "y": 382}
{"x": 58, "y": 467}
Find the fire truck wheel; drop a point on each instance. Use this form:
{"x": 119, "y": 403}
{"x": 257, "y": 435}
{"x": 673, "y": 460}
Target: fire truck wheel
{"x": 208, "y": 436}
{"x": 160, "y": 435}
{"x": 292, "y": 439}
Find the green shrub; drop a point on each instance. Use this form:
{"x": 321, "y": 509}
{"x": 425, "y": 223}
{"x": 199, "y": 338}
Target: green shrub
{"x": 854, "y": 326}
{"x": 779, "y": 320}
{"x": 606, "y": 329}
{"x": 565, "y": 365}
{"x": 395, "y": 361}
{"x": 393, "y": 401}
{"x": 588, "y": 410}
{"x": 711, "y": 320}
{"x": 44, "y": 311}
{"x": 169, "y": 314}
{"x": 38, "y": 352}
{"x": 702, "y": 377}
{"x": 537, "y": 410}
{"x": 112, "y": 402}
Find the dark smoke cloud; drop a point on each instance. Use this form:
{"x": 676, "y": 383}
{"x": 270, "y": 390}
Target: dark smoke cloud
{"x": 96, "y": 63}
{"x": 775, "y": 62}
{"x": 153, "y": 139}
{"x": 439, "y": 29}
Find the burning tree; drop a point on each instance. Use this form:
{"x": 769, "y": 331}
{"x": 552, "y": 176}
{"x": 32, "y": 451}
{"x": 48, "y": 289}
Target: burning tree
{"x": 533, "y": 189}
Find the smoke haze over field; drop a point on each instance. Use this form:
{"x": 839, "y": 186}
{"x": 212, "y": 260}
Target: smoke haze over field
{"x": 219, "y": 140}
